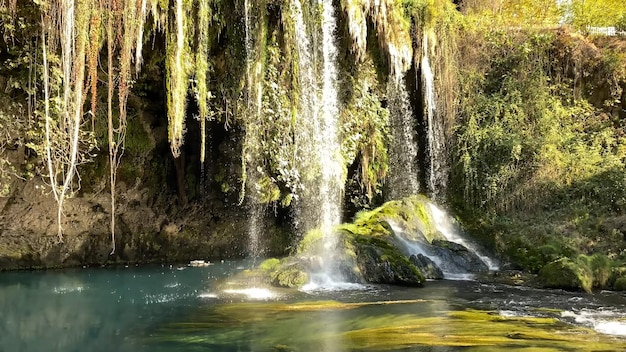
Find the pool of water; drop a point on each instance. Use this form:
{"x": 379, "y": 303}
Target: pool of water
{"x": 174, "y": 308}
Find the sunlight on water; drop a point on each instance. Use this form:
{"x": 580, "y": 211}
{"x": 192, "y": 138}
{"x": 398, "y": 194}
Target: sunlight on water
{"x": 207, "y": 295}
{"x": 253, "y": 293}
{"x": 141, "y": 310}
{"x": 63, "y": 290}
{"x": 322, "y": 282}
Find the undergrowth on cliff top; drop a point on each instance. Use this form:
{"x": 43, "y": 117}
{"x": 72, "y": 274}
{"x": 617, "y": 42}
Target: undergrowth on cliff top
{"x": 540, "y": 148}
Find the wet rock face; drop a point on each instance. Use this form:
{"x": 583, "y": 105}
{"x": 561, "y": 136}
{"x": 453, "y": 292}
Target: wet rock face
{"x": 458, "y": 258}
{"x": 427, "y": 267}
{"x": 387, "y": 265}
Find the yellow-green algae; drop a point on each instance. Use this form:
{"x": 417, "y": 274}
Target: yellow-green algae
{"x": 294, "y": 326}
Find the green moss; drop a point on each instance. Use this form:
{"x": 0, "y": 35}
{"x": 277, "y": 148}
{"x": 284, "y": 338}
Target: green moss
{"x": 269, "y": 265}
{"x": 310, "y": 241}
{"x": 567, "y": 274}
{"x": 292, "y": 277}
{"x": 138, "y": 141}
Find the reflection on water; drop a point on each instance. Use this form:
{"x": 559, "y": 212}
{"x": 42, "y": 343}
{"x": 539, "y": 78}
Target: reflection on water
{"x": 163, "y": 309}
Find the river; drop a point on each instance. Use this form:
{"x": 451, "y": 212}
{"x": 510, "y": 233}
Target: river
{"x": 179, "y": 308}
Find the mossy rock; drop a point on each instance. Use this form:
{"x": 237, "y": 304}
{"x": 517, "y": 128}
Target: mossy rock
{"x": 288, "y": 272}
{"x": 617, "y": 280}
{"x": 620, "y": 284}
{"x": 566, "y": 274}
{"x": 291, "y": 276}
{"x": 381, "y": 262}
{"x": 410, "y": 214}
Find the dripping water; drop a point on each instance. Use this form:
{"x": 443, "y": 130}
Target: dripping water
{"x": 403, "y": 171}
{"x": 435, "y": 177}
{"x": 255, "y": 208}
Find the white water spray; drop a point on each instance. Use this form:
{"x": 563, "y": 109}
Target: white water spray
{"x": 435, "y": 136}
{"x": 319, "y": 145}
{"x": 451, "y": 232}
{"x": 328, "y": 147}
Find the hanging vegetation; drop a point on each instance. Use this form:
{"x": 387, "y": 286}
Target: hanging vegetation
{"x": 177, "y": 78}
{"x": 392, "y": 30}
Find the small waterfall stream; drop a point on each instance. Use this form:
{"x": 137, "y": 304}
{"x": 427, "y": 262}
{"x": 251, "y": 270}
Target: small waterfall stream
{"x": 454, "y": 261}
{"x": 435, "y": 178}
{"x": 253, "y": 105}
{"x": 318, "y": 119}
{"x": 452, "y": 233}
{"x": 403, "y": 168}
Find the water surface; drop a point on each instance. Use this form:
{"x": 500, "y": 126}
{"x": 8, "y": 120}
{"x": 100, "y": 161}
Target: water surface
{"x": 167, "y": 309}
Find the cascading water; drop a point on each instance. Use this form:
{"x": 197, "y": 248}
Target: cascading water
{"x": 403, "y": 171}
{"x": 321, "y": 203}
{"x": 440, "y": 247}
{"x": 452, "y": 233}
{"x": 255, "y": 208}
{"x": 436, "y": 175}
{"x": 328, "y": 147}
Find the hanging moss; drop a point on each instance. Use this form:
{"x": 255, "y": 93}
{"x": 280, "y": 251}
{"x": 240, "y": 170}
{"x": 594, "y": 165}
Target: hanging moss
{"x": 177, "y": 67}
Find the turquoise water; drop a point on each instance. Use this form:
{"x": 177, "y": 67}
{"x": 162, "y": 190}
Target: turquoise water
{"x": 167, "y": 309}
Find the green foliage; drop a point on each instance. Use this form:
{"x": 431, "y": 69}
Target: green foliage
{"x": 537, "y": 158}
{"x": 620, "y": 25}
{"x": 365, "y": 130}
{"x": 138, "y": 141}
{"x": 520, "y": 132}
{"x": 269, "y": 265}
{"x": 523, "y": 13}
{"x": 599, "y": 13}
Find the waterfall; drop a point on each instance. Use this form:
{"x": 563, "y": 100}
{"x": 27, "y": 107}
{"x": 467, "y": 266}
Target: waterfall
{"x": 403, "y": 169}
{"x": 319, "y": 205}
{"x": 254, "y": 207}
{"x": 452, "y": 233}
{"x": 436, "y": 174}
{"x": 328, "y": 147}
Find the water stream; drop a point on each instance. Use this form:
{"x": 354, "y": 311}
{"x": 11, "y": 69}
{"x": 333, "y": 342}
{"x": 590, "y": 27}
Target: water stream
{"x": 453, "y": 233}
{"x": 253, "y": 105}
{"x": 436, "y": 175}
{"x": 320, "y": 204}
{"x": 168, "y": 309}
{"x": 403, "y": 167}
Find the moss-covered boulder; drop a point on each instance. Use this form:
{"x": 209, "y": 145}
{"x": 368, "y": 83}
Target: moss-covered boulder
{"x": 566, "y": 274}
{"x": 289, "y": 273}
{"x": 379, "y": 261}
{"x": 377, "y": 247}
{"x": 617, "y": 280}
